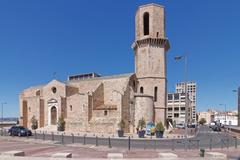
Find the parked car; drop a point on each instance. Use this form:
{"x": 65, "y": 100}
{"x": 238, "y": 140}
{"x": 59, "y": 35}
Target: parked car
{"x": 216, "y": 128}
{"x": 181, "y": 126}
{"x": 212, "y": 124}
{"x": 19, "y": 131}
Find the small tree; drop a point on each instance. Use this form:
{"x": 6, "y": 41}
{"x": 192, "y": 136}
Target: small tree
{"x": 34, "y": 123}
{"x": 174, "y": 124}
{"x": 160, "y": 127}
{"x": 121, "y": 125}
{"x": 61, "y": 123}
{"x": 141, "y": 124}
{"x": 202, "y": 121}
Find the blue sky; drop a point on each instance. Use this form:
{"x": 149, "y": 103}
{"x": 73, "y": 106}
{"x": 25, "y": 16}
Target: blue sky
{"x": 38, "y": 38}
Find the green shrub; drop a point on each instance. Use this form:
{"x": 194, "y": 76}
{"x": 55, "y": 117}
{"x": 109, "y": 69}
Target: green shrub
{"x": 34, "y": 123}
{"x": 160, "y": 127}
{"x": 61, "y": 123}
{"x": 141, "y": 124}
{"x": 121, "y": 125}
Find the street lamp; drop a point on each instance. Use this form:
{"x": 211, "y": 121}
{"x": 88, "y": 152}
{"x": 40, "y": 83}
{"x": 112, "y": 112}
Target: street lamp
{"x": 238, "y": 105}
{"x": 186, "y": 92}
{"x": 185, "y": 87}
{"x": 2, "y": 111}
{"x": 225, "y": 107}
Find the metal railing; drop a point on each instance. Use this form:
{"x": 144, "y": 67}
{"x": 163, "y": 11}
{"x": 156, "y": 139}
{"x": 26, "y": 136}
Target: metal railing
{"x": 133, "y": 143}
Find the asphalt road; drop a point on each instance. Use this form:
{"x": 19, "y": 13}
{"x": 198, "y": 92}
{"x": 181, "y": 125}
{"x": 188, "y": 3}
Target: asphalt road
{"x": 205, "y": 138}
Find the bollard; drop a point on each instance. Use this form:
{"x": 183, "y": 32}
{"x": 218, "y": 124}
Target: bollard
{"x": 62, "y": 139}
{"x": 222, "y": 143}
{"x": 155, "y": 144}
{"x": 173, "y": 145}
{"x": 210, "y": 144}
{"x": 189, "y": 144}
{"x": 35, "y": 134}
{"x": 109, "y": 143}
{"x": 198, "y": 144}
{"x": 72, "y": 138}
{"x": 52, "y": 136}
{"x": 202, "y": 152}
{"x": 43, "y": 136}
{"x": 144, "y": 145}
{"x": 129, "y": 143}
{"x": 236, "y": 143}
{"x": 96, "y": 140}
{"x": 228, "y": 143}
{"x": 84, "y": 139}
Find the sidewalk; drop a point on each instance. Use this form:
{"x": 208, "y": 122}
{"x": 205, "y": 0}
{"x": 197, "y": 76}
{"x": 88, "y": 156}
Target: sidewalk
{"x": 33, "y": 148}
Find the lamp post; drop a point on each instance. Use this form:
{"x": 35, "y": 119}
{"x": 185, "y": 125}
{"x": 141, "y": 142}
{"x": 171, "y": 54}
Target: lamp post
{"x": 185, "y": 88}
{"x": 2, "y": 111}
{"x": 238, "y": 104}
{"x": 225, "y": 108}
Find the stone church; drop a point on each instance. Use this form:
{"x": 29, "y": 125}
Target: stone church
{"x": 92, "y": 103}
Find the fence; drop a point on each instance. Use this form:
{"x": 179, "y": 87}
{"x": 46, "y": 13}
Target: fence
{"x": 133, "y": 143}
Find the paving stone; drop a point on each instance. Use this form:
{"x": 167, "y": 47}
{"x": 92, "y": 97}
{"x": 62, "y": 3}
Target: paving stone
{"x": 216, "y": 155}
{"x": 13, "y": 153}
{"x": 62, "y": 155}
{"x": 167, "y": 155}
{"x": 115, "y": 156}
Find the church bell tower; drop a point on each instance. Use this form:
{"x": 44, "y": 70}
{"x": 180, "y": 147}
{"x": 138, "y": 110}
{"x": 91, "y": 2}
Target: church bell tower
{"x": 150, "y": 49}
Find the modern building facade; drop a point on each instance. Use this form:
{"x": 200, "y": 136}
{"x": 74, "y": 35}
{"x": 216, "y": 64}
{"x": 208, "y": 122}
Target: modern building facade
{"x": 178, "y": 102}
{"x": 176, "y": 108}
{"x": 226, "y": 119}
{"x": 91, "y": 103}
{"x": 192, "y": 95}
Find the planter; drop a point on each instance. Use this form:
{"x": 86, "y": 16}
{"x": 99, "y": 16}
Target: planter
{"x": 159, "y": 134}
{"x": 120, "y": 133}
{"x": 141, "y": 134}
{"x": 60, "y": 128}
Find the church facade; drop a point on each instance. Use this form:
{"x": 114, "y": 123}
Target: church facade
{"x": 91, "y": 103}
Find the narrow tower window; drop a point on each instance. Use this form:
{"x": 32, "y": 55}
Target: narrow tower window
{"x": 141, "y": 90}
{"x": 155, "y": 93}
{"x": 146, "y": 23}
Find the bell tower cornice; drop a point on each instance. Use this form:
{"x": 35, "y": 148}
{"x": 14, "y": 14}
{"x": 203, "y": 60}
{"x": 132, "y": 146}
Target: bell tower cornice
{"x": 161, "y": 42}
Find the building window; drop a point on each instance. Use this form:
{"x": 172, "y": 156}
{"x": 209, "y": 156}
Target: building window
{"x": 29, "y": 109}
{"x": 176, "y": 109}
{"x": 176, "y": 115}
{"x": 155, "y": 93}
{"x": 105, "y": 113}
{"x": 169, "y": 109}
{"x": 54, "y": 89}
{"x": 70, "y": 107}
{"x": 141, "y": 90}
{"x": 146, "y": 23}
{"x": 182, "y": 108}
{"x": 170, "y": 97}
{"x": 176, "y": 96}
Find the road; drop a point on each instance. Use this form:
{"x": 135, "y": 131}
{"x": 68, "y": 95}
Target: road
{"x": 205, "y": 138}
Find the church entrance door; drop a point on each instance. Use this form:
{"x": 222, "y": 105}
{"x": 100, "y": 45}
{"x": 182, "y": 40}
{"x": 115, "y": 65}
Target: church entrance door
{"x": 53, "y": 115}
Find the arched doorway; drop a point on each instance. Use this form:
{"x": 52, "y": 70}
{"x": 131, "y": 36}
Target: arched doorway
{"x": 53, "y": 115}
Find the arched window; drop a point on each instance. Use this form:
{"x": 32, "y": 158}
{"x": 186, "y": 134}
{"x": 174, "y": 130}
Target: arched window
{"x": 146, "y": 23}
{"x": 70, "y": 107}
{"x": 141, "y": 90}
{"x": 155, "y": 93}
